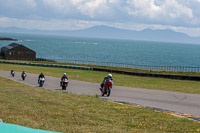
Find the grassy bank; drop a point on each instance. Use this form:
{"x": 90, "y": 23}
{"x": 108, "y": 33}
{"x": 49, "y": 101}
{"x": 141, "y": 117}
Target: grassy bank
{"x": 65, "y": 112}
{"x": 119, "y": 79}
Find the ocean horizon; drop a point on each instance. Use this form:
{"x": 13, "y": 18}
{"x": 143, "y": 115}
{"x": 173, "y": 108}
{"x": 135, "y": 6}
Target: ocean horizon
{"x": 109, "y": 50}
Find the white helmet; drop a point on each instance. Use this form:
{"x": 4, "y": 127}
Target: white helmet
{"x": 64, "y": 73}
{"x": 109, "y": 75}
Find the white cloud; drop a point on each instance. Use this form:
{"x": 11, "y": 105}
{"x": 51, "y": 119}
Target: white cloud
{"x": 60, "y": 6}
{"x": 86, "y": 8}
{"x": 4, "y": 19}
{"x": 94, "y": 8}
{"x": 76, "y": 2}
{"x": 143, "y": 8}
{"x": 174, "y": 9}
{"x": 165, "y": 10}
{"x": 52, "y": 24}
{"x": 31, "y": 3}
{"x": 127, "y": 14}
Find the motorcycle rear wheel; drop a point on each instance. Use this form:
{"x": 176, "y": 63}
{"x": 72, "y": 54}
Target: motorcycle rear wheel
{"x": 108, "y": 91}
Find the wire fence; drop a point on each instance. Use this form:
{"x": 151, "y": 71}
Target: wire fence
{"x": 134, "y": 66}
{"x": 123, "y": 65}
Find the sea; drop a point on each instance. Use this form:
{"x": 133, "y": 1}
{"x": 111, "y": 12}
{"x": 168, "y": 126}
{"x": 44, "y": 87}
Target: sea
{"x": 109, "y": 50}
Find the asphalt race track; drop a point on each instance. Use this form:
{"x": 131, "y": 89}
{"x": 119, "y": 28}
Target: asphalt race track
{"x": 173, "y": 101}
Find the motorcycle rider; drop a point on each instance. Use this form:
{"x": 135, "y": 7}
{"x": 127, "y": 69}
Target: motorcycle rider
{"x": 41, "y": 76}
{"x": 63, "y": 77}
{"x": 12, "y": 72}
{"x": 107, "y": 78}
{"x": 23, "y": 74}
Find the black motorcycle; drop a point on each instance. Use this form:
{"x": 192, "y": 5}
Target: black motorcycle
{"x": 64, "y": 84}
{"x": 23, "y": 76}
{"x": 41, "y": 81}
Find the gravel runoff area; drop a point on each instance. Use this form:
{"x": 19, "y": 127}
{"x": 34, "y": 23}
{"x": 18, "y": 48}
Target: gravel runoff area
{"x": 179, "y": 104}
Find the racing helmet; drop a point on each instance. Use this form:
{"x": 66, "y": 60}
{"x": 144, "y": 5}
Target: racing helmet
{"x": 109, "y": 75}
{"x": 64, "y": 74}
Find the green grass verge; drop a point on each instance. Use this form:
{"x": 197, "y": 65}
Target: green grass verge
{"x": 65, "y": 112}
{"x": 119, "y": 79}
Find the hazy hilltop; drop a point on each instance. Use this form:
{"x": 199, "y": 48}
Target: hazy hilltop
{"x": 115, "y": 33}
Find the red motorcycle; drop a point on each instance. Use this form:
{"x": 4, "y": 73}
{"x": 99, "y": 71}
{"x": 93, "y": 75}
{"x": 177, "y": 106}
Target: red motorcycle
{"x": 107, "y": 88}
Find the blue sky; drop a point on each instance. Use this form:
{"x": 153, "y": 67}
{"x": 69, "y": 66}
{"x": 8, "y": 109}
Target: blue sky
{"x": 178, "y": 15}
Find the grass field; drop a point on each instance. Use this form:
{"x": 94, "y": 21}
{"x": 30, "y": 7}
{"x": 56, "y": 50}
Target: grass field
{"x": 119, "y": 79}
{"x": 66, "y": 112}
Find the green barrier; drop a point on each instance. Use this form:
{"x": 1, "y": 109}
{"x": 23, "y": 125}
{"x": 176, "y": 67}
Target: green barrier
{"x": 33, "y": 64}
{"x": 10, "y": 63}
{"x": 24, "y": 63}
{"x": 59, "y": 66}
{"x": 48, "y": 65}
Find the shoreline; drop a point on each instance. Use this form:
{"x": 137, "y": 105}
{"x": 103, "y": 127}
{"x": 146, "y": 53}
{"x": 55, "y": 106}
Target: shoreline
{"x": 7, "y": 39}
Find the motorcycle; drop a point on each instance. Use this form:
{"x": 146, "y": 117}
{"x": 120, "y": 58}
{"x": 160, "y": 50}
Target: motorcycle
{"x": 23, "y": 76}
{"x": 12, "y": 73}
{"x": 64, "y": 84}
{"x": 107, "y": 88}
{"x": 41, "y": 82}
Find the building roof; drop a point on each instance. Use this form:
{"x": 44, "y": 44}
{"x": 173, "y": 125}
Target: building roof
{"x": 10, "y": 46}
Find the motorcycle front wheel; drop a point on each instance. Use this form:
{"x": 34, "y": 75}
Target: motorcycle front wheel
{"x": 64, "y": 87}
{"x": 41, "y": 84}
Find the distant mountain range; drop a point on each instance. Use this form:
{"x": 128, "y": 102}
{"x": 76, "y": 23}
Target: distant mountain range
{"x": 115, "y": 33}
